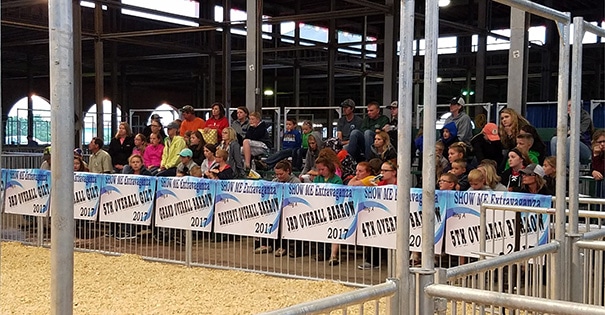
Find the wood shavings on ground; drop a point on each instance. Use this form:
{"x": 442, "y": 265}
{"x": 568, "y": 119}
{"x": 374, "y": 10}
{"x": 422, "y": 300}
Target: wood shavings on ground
{"x": 129, "y": 285}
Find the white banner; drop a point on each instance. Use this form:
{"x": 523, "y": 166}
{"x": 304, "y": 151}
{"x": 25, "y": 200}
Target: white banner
{"x": 247, "y": 207}
{"x": 319, "y": 212}
{"x": 502, "y": 229}
{"x": 127, "y": 199}
{"x": 27, "y": 192}
{"x": 3, "y": 173}
{"x": 377, "y": 216}
{"x": 87, "y": 193}
{"x": 185, "y": 203}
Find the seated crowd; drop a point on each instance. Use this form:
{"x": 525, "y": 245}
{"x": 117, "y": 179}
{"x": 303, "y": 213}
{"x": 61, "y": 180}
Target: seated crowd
{"x": 508, "y": 157}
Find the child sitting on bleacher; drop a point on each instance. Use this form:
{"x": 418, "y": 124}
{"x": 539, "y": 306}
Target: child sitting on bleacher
{"x": 291, "y": 144}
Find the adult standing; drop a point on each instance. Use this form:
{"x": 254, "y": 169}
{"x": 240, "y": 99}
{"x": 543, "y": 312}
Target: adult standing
{"x": 99, "y": 161}
{"x": 461, "y": 119}
{"x": 586, "y": 130}
{"x": 348, "y": 121}
{"x": 217, "y": 120}
{"x": 242, "y": 123}
{"x": 361, "y": 140}
{"x": 173, "y": 145}
{"x": 190, "y": 121}
{"x": 120, "y": 147}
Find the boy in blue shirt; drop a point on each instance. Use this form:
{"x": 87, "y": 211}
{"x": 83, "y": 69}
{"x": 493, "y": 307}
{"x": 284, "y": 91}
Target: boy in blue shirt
{"x": 292, "y": 141}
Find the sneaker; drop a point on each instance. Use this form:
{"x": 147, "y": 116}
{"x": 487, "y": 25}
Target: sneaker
{"x": 366, "y": 266}
{"x": 263, "y": 250}
{"x": 125, "y": 236}
{"x": 253, "y": 175}
{"x": 280, "y": 252}
{"x": 333, "y": 261}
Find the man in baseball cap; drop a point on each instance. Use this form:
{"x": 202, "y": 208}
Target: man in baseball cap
{"x": 461, "y": 119}
{"x": 348, "y": 121}
{"x": 190, "y": 121}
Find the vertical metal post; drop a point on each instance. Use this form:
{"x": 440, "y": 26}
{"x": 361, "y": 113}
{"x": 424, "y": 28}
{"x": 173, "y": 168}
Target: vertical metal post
{"x": 227, "y": 55}
{"x": 389, "y": 55}
{"x": 575, "y": 273}
{"x": 332, "y": 49}
{"x": 481, "y": 52}
{"x": 77, "y": 25}
{"x": 254, "y": 68}
{"x": 431, "y": 26}
{"x": 62, "y": 114}
{"x": 558, "y": 283}
{"x": 99, "y": 75}
{"x": 516, "y": 60}
{"x": 404, "y": 159}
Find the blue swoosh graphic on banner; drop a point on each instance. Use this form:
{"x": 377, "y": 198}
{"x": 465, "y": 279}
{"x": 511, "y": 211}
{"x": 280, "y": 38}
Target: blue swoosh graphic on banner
{"x": 46, "y": 206}
{"x": 109, "y": 188}
{"x": 165, "y": 192}
{"x": 372, "y": 204}
{"x": 352, "y": 228}
{"x": 13, "y": 183}
{"x": 275, "y": 223}
{"x": 209, "y": 218}
{"x": 460, "y": 210}
{"x": 292, "y": 200}
{"x": 225, "y": 196}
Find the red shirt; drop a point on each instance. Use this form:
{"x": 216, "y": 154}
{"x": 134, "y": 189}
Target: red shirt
{"x": 218, "y": 124}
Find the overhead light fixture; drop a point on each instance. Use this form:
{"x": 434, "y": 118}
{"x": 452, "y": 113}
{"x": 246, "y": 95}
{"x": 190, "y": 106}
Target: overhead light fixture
{"x": 444, "y": 3}
{"x": 439, "y": 79}
{"x": 268, "y": 92}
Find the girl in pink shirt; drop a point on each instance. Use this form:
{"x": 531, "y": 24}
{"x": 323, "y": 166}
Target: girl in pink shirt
{"x": 153, "y": 153}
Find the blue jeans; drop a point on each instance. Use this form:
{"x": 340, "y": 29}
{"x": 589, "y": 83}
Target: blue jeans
{"x": 360, "y": 142}
{"x": 585, "y": 151}
{"x": 278, "y": 156}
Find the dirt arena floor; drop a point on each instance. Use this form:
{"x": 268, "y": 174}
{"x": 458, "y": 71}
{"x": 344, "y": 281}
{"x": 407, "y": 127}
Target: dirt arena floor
{"x": 128, "y": 285}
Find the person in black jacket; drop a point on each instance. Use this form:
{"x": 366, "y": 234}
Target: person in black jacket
{"x": 487, "y": 145}
{"x": 257, "y": 141}
{"x": 120, "y": 147}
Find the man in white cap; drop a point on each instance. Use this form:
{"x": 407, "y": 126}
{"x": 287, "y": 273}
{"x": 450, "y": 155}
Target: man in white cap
{"x": 461, "y": 119}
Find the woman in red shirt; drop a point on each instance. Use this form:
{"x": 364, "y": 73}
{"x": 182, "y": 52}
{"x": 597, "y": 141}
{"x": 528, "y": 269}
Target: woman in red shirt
{"x": 217, "y": 120}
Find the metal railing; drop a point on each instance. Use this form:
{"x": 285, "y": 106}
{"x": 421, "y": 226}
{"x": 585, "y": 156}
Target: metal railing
{"x": 371, "y": 300}
{"x": 503, "y": 303}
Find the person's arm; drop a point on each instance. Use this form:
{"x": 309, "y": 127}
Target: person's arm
{"x": 298, "y": 139}
{"x": 106, "y": 165}
{"x": 236, "y": 153}
{"x": 164, "y": 161}
{"x": 178, "y": 144}
{"x": 464, "y": 129}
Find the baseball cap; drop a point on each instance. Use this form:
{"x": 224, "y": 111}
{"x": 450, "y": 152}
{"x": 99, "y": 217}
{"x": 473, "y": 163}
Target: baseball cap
{"x": 46, "y": 150}
{"x": 457, "y": 100}
{"x": 173, "y": 125}
{"x": 393, "y": 105}
{"x": 78, "y": 151}
{"x": 491, "y": 132}
{"x": 187, "y": 109}
{"x": 533, "y": 169}
{"x": 155, "y": 116}
{"x": 348, "y": 103}
{"x": 186, "y": 152}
